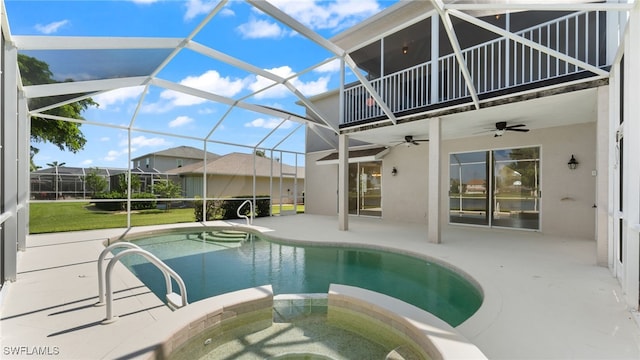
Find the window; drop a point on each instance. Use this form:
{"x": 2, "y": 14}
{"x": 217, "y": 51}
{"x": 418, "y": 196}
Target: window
{"x": 179, "y": 162}
{"x": 497, "y": 188}
{"x": 146, "y": 162}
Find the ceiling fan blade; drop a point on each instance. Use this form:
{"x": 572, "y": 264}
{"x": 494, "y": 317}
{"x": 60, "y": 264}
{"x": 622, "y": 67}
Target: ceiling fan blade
{"x": 515, "y": 126}
{"x": 520, "y": 130}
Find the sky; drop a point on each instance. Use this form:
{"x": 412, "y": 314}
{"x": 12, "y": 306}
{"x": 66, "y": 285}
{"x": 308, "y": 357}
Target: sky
{"x": 238, "y": 30}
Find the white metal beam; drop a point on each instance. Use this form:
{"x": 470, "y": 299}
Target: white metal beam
{"x": 204, "y": 50}
{"x": 81, "y": 87}
{"x": 224, "y": 100}
{"x": 551, "y": 5}
{"x": 528, "y": 43}
{"x": 453, "y": 38}
{"x": 279, "y": 15}
{"x": 367, "y": 85}
{"x": 93, "y": 43}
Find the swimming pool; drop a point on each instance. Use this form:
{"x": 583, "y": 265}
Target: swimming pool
{"x": 211, "y": 268}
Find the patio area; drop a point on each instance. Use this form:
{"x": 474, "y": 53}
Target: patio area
{"x": 545, "y": 297}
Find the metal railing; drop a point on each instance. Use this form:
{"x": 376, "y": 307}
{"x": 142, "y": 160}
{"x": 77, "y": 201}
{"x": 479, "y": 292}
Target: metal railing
{"x": 243, "y": 216}
{"x": 173, "y": 300}
{"x": 493, "y": 66}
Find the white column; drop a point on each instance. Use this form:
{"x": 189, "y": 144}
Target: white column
{"x": 433, "y": 193}
{"x": 24, "y": 165}
{"x": 631, "y": 190}
{"x": 614, "y": 111}
{"x": 343, "y": 182}
{"x": 435, "y": 55}
{"x": 9, "y": 161}
{"x": 602, "y": 176}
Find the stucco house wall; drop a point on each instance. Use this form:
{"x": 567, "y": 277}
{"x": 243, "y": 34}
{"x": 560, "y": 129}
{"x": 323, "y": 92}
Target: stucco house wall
{"x": 567, "y": 199}
{"x": 566, "y": 205}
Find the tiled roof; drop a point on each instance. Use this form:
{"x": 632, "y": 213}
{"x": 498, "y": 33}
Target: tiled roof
{"x": 182, "y": 152}
{"x": 239, "y": 164}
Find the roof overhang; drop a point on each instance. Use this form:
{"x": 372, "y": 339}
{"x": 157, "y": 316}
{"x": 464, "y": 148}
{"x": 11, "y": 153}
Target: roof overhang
{"x": 356, "y": 156}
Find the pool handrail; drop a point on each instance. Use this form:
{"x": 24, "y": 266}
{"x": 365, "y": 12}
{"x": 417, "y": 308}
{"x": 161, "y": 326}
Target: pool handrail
{"x": 168, "y": 273}
{"x": 101, "y": 274}
{"x": 243, "y": 216}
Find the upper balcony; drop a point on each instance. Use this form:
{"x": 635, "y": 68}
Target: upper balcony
{"x": 502, "y": 54}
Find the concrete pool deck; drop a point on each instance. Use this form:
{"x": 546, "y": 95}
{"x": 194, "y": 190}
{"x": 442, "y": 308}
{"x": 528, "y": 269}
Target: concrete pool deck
{"x": 545, "y": 296}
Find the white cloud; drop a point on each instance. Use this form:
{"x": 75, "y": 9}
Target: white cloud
{"x": 210, "y": 81}
{"x": 117, "y": 96}
{"x": 279, "y": 91}
{"x": 105, "y": 138}
{"x": 113, "y": 155}
{"x": 268, "y": 123}
{"x": 330, "y": 67}
{"x": 87, "y": 162}
{"x": 333, "y": 15}
{"x": 144, "y": 2}
{"x": 260, "y": 29}
{"x": 198, "y": 7}
{"x": 227, "y": 12}
{"x": 52, "y": 27}
{"x": 143, "y": 141}
{"x": 136, "y": 143}
{"x": 311, "y": 88}
{"x": 180, "y": 121}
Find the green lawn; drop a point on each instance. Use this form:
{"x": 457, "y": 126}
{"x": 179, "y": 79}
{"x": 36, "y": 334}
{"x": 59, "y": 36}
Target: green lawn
{"x": 67, "y": 216}
{"x": 57, "y": 217}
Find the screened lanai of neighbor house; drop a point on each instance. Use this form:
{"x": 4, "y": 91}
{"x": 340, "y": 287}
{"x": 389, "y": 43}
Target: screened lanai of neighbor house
{"x": 517, "y": 119}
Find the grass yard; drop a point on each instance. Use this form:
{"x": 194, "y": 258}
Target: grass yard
{"x": 74, "y": 216}
{"x": 68, "y": 216}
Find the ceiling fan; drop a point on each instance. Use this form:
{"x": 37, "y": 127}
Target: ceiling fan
{"x": 409, "y": 140}
{"x": 502, "y": 126}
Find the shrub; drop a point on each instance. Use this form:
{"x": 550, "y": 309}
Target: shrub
{"x": 228, "y": 208}
{"x": 111, "y": 205}
{"x": 143, "y": 205}
{"x": 213, "y": 209}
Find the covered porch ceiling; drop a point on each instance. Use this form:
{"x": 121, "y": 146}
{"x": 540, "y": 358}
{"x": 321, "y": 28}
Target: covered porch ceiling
{"x": 564, "y": 109}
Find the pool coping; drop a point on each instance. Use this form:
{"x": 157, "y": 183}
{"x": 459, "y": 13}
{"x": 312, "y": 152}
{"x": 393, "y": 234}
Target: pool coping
{"x": 471, "y": 327}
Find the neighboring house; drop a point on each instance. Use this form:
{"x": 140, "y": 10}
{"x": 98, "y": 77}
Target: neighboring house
{"x": 172, "y": 158}
{"x": 233, "y": 174}
{"x": 65, "y": 182}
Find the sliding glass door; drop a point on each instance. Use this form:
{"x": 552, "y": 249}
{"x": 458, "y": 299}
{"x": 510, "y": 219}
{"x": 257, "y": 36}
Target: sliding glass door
{"x": 365, "y": 188}
{"x": 498, "y": 188}
{"x": 468, "y": 188}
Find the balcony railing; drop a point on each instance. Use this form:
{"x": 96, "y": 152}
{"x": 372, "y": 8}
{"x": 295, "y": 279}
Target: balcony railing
{"x": 493, "y": 66}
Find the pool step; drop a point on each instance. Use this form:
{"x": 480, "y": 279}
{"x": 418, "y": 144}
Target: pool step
{"x": 224, "y": 236}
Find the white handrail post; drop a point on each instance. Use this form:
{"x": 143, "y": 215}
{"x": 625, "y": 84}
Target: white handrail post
{"x": 101, "y": 274}
{"x": 166, "y": 271}
{"x": 242, "y": 216}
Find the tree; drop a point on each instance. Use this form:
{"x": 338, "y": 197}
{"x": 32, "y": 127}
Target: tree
{"x": 260, "y": 153}
{"x": 56, "y": 165}
{"x": 123, "y": 185}
{"x": 167, "y": 189}
{"x": 94, "y": 182}
{"x": 63, "y": 134}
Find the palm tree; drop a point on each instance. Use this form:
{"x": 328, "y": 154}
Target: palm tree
{"x": 56, "y": 165}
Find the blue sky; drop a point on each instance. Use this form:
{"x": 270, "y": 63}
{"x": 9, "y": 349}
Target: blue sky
{"x": 238, "y": 30}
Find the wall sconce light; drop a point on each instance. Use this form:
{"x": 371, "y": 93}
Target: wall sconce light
{"x": 394, "y": 171}
{"x": 405, "y": 49}
{"x": 573, "y": 163}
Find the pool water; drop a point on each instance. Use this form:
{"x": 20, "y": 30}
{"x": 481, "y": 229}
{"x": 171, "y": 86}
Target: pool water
{"x": 211, "y": 268}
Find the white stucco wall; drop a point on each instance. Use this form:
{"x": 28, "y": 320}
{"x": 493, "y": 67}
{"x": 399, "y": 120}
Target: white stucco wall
{"x": 404, "y": 196}
{"x": 322, "y": 186}
{"x": 567, "y": 195}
